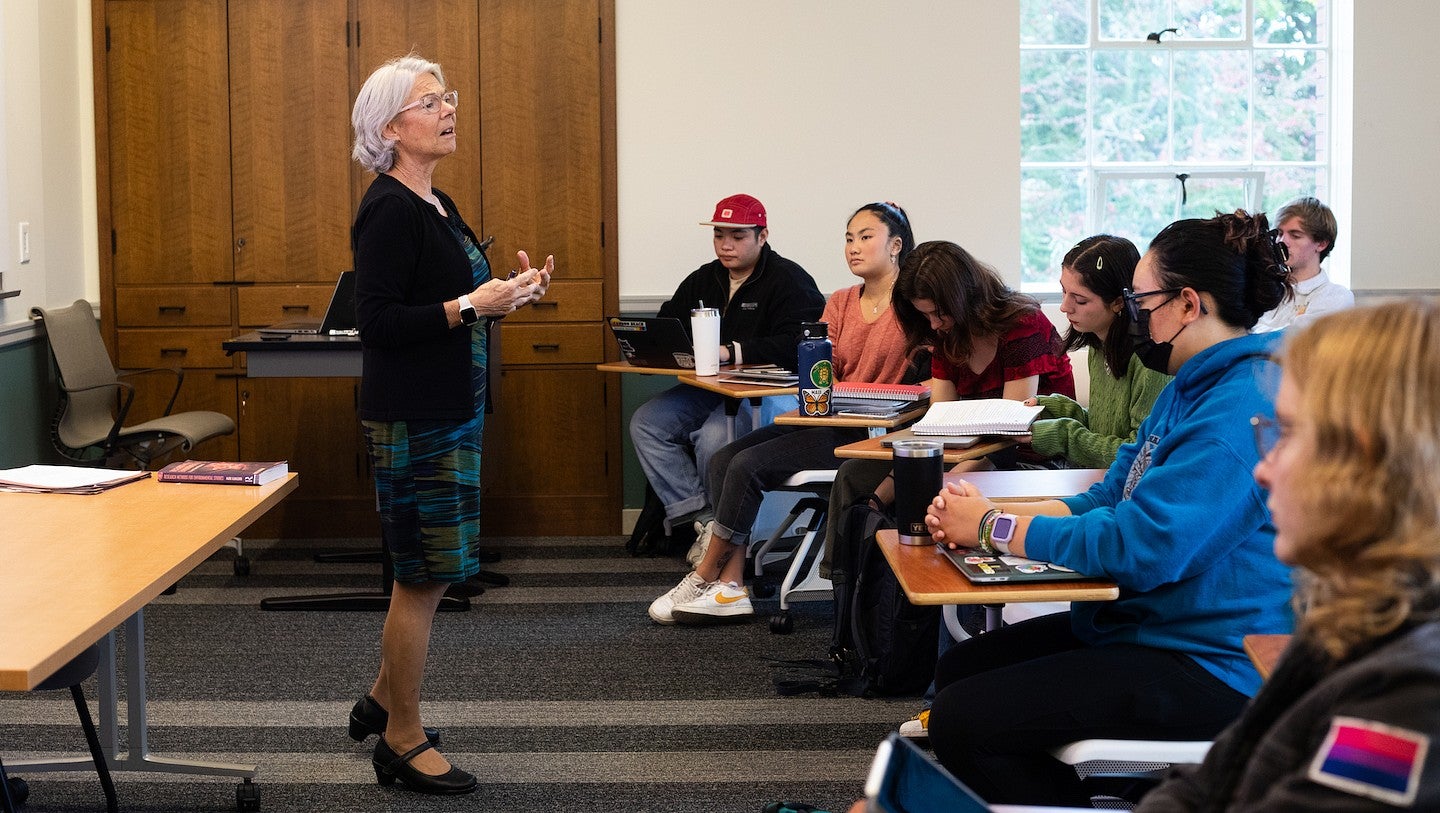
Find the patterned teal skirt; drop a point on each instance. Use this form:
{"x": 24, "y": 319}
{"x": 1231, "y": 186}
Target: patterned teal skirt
{"x": 427, "y": 482}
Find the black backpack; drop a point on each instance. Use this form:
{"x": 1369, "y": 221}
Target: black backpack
{"x": 882, "y": 645}
{"x": 649, "y": 537}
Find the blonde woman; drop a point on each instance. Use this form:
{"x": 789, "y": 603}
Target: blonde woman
{"x": 1351, "y": 717}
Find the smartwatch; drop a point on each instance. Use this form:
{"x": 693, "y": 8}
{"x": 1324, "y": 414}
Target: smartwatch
{"x": 1002, "y": 531}
{"x": 468, "y": 314}
{"x": 730, "y": 348}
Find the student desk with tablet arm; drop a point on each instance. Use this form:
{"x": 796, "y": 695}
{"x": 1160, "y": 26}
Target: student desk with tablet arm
{"x": 734, "y": 393}
{"x": 927, "y": 577}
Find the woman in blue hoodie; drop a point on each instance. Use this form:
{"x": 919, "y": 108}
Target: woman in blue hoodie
{"x": 1178, "y": 523}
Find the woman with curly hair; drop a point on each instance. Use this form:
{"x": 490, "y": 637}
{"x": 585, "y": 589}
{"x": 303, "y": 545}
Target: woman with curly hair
{"x": 1178, "y": 523}
{"x": 1350, "y": 717}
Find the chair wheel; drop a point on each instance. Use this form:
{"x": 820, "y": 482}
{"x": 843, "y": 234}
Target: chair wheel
{"x": 781, "y": 624}
{"x": 247, "y": 796}
{"x": 242, "y": 565}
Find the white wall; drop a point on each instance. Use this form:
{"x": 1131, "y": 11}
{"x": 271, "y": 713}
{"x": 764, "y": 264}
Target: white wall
{"x": 47, "y": 171}
{"x": 1396, "y": 162}
{"x": 815, "y": 107}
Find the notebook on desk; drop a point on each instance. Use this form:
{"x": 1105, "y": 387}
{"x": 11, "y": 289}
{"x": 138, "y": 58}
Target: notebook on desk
{"x": 339, "y": 317}
{"x": 982, "y": 568}
{"x": 653, "y": 342}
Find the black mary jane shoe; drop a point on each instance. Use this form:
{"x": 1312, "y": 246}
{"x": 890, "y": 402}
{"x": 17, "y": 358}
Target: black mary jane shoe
{"x": 389, "y": 767}
{"x": 369, "y": 717}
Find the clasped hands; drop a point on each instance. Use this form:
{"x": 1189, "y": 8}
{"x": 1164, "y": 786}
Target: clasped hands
{"x": 499, "y": 297}
{"x": 953, "y": 517}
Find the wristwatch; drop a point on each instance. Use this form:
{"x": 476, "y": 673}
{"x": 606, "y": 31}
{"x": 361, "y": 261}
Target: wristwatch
{"x": 730, "y": 349}
{"x": 468, "y": 314}
{"x": 1002, "y": 530}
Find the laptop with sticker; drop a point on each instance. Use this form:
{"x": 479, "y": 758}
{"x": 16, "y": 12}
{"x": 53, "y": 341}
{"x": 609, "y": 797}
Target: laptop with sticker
{"x": 653, "y": 342}
{"x": 984, "y": 568}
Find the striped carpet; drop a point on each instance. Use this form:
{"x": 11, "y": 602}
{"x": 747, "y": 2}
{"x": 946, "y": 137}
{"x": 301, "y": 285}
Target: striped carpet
{"x": 557, "y": 692}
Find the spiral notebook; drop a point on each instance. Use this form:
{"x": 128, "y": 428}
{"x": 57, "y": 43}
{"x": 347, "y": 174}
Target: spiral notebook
{"x": 981, "y": 416}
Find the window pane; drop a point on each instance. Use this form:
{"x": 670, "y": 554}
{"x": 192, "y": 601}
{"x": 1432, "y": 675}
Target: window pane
{"x": 1054, "y": 22}
{"x": 1287, "y": 22}
{"x": 1052, "y": 105}
{"x": 1206, "y": 196}
{"x": 1131, "y": 95}
{"x": 1284, "y": 184}
{"x": 1211, "y": 105}
{"x": 1052, "y": 219}
{"x": 1209, "y": 19}
{"x": 1138, "y": 208}
{"x": 1291, "y": 105}
{"x": 1132, "y": 19}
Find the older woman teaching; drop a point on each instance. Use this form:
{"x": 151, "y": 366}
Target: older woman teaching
{"x": 424, "y": 301}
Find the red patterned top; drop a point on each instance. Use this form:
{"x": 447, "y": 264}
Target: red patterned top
{"x": 1031, "y": 347}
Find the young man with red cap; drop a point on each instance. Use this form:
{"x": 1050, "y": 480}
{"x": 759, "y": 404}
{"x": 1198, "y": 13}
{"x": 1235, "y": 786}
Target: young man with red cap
{"x": 763, "y": 298}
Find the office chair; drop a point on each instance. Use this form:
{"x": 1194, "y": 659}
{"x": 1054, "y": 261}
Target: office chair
{"x": 798, "y": 578}
{"x": 13, "y": 792}
{"x": 88, "y": 427}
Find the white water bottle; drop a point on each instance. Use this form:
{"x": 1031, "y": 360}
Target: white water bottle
{"x": 705, "y": 332}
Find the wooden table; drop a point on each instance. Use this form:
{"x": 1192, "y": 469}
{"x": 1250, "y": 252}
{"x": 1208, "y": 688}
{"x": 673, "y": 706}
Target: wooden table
{"x": 876, "y": 425}
{"x": 927, "y": 577}
{"x": 1265, "y": 651}
{"x": 734, "y": 393}
{"x": 874, "y": 449}
{"x": 74, "y": 567}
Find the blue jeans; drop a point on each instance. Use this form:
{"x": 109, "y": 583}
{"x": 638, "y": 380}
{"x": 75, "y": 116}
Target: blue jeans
{"x": 675, "y": 434}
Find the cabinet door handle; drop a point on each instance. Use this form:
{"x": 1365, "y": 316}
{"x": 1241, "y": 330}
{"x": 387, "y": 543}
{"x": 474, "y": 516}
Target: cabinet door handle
{"x": 545, "y": 348}
{"x": 172, "y": 308}
{"x": 545, "y": 303}
{"x": 300, "y": 308}
{"x": 173, "y": 351}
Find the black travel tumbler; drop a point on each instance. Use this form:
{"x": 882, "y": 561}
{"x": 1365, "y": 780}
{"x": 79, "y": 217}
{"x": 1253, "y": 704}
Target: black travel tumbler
{"x": 919, "y": 475}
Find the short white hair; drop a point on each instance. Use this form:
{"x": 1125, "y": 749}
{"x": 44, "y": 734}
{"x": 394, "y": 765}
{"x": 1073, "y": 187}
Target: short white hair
{"x": 380, "y": 99}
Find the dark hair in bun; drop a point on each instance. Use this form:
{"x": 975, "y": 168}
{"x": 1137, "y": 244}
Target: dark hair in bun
{"x": 1232, "y": 257}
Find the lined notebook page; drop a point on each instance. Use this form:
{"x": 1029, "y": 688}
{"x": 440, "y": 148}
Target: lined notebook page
{"x": 983, "y": 416}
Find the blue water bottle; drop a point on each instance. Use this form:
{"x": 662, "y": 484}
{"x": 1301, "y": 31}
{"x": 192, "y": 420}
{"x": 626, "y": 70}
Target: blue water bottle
{"x": 815, "y": 369}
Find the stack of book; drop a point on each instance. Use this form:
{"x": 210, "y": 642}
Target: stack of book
{"x": 860, "y": 399}
{"x": 765, "y": 375}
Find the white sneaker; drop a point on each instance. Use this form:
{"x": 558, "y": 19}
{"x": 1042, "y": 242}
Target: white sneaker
{"x": 720, "y": 601}
{"x": 689, "y": 588}
{"x": 917, "y": 727}
{"x": 702, "y": 541}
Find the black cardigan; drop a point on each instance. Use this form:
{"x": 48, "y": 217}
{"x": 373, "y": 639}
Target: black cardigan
{"x": 408, "y": 264}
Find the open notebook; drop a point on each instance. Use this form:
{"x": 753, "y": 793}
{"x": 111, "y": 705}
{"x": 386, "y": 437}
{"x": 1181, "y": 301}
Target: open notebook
{"x": 981, "y": 416}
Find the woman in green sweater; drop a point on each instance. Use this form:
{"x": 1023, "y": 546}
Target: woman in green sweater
{"x": 1122, "y": 389}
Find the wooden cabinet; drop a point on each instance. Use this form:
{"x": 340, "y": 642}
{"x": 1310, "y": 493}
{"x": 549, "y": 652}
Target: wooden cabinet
{"x": 226, "y": 194}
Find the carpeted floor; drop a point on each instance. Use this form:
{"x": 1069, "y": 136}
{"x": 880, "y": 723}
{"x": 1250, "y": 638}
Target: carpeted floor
{"x": 557, "y": 692}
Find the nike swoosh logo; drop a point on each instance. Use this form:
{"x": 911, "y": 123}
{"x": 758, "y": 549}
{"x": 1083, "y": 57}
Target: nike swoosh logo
{"x": 721, "y": 598}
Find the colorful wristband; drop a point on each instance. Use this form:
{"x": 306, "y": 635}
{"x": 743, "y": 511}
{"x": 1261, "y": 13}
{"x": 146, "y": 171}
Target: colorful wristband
{"x": 982, "y": 534}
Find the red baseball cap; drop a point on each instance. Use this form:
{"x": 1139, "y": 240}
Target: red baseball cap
{"x": 738, "y": 211}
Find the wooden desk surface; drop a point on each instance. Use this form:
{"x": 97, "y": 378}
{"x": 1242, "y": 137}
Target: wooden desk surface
{"x": 872, "y": 449}
{"x": 74, "y": 567}
{"x": 1030, "y": 485}
{"x": 1265, "y": 651}
{"x": 794, "y": 418}
{"x": 927, "y": 577}
{"x": 627, "y": 367}
{"x": 731, "y": 390}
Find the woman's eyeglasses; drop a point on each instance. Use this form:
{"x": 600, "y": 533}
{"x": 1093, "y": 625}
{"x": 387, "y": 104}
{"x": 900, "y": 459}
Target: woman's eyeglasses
{"x": 1268, "y": 435}
{"x": 430, "y": 102}
{"x": 1132, "y": 299}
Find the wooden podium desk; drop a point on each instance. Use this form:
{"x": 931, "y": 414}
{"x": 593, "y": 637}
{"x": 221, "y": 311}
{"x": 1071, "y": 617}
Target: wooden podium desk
{"x": 927, "y": 577}
{"x": 74, "y": 567}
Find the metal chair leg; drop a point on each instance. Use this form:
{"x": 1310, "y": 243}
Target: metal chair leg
{"x": 93, "y": 739}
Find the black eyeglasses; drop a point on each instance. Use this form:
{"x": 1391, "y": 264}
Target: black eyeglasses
{"x": 1132, "y": 299}
{"x": 1268, "y": 435}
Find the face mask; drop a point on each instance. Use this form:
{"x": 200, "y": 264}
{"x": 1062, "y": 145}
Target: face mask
{"x": 1154, "y": 355}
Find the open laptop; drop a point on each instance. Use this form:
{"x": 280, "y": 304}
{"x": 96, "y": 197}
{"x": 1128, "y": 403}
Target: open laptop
{"x": 653, "y": 342}
{"x": 982, "y": 568}
{"x": 339, "y": 317}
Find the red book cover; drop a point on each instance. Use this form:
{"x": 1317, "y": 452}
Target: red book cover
{"x": 223, "y": 472}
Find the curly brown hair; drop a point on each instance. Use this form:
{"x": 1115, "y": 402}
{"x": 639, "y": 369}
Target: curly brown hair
{"x": 1368, "y": 381}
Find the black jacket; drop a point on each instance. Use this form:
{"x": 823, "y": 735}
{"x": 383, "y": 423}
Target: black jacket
{"x": 408, "y": 264}
{"x": 765, "y": 314}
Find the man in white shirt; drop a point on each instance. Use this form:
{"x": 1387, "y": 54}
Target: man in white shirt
{"x": 1307, "y": 228}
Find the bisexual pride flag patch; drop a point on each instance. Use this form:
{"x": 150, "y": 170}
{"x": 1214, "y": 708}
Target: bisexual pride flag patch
{"x": 1371, "y": 759}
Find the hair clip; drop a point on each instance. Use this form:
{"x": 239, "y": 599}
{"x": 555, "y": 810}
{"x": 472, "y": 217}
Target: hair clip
{"x": 1279, "y": 251}
{"x": 1100, "y": 262}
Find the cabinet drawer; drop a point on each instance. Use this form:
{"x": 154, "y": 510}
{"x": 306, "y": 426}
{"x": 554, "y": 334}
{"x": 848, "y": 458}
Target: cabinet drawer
{"x": 551, "y": 344}
{"x": 565, "y": 301}
{"x": 172, "y": 306}
{"x": 139, "y": 349}
{"x": 267, "y": 304}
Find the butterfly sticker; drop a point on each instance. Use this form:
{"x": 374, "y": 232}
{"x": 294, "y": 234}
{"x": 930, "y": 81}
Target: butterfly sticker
{"x": 815, "y": 402}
